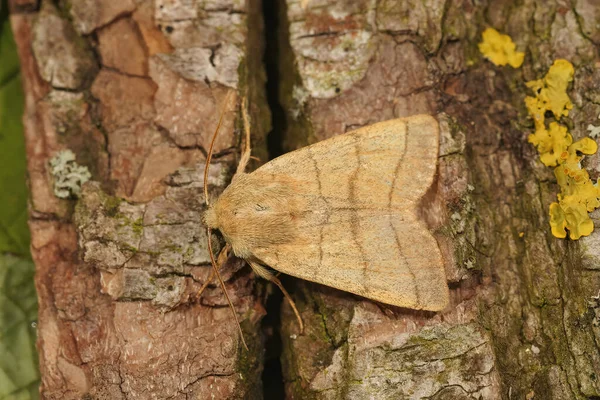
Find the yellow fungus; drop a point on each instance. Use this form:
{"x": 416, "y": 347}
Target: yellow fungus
{"x": 576, "y": 187}
{"x": 551, "y": 91}
{"x": 536, "y": 111}
{"x": 558, "y": 223}
{"x": 573, "y": 217}
{"x": 500, "y": 49}
{"x": 578, "y": 194}
{"x": 586, "y": 146}
{"x": 551, "y": 143}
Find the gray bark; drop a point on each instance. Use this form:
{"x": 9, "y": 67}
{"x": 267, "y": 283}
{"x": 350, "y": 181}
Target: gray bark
{"x": 522, "y": 321}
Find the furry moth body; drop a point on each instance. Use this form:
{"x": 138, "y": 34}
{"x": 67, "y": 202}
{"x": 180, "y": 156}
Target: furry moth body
{"x": 344, "y": 213}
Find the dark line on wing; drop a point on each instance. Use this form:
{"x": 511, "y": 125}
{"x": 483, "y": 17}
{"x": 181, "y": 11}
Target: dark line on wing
{"x": 410, "y": 271}
{"x": 354, "y": 227}
{"x": 398, "y": 168}
{"x": 348, "y": 208}
{"x": 322, "y": 225}
{"x": 391, "y": 194}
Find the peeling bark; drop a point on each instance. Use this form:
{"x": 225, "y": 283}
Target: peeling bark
{"x": 134, "y": 88}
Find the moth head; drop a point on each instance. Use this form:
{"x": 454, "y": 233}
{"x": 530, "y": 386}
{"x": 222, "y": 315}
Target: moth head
{"x": 223, "y": 212}
{"x": 249, "y": 214}
{"x": 232, "y": 218}
{"x": 232, "y": 214}
{"x": 210, "y": 218}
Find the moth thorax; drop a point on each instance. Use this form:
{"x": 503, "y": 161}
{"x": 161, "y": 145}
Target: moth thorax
{"x": 210, "y": 218}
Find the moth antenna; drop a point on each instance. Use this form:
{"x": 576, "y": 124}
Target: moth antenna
{"x": 247, "y": 150}
{"x": 209, "y": 231}
{"x": 223, "y": 255}
{"x": 216, "y": 272}
{"x": 210, "y": 149}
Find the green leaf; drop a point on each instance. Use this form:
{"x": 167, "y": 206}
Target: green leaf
{"x": 14, "y": 235}
{"x": 19, "y": 376}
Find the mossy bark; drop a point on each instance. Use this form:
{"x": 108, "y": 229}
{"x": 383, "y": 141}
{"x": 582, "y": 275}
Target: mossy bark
{"x": 522, "y": 322}
{"x": 135, "y": 90}
{"x": 118, "y": 269}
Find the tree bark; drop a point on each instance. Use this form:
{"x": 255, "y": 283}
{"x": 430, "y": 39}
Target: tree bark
{"x": 134, "y": 89}
{"x": 522, "y": 321}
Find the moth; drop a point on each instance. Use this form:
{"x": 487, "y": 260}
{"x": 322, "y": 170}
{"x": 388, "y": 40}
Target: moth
{"x": 343, "y": 212}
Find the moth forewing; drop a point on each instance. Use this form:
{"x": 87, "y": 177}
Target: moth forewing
{"x": 344, "y": 213}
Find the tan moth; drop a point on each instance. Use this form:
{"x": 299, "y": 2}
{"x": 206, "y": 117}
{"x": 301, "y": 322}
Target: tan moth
{"x": 343, "y": 212}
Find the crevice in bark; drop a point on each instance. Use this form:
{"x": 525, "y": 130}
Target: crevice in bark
{"x": 271, "y": 58}
{"x": 272, "y": 376}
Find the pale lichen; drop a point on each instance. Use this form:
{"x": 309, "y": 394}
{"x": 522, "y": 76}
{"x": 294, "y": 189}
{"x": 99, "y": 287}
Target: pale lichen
{"x": 68, "y": 175}
{"x": 594, "y": 131}
{"x": 300, "y": 96}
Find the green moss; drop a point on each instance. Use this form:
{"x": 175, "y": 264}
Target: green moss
{"x": 64, "y": 10}
{"x": 472, "y": 55}
{"x": 138, "y": 226}
{"x": 249, "y": 362}
{"x": 111, "y": 205}
{"x": 127, "y": 247}
{"x": 326, "y": 330}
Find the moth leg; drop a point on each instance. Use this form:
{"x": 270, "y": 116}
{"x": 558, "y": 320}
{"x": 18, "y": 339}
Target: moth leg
{"x": 223, "y": 255}
{"x": 247, "y": 150}
{"x": 266, "y": 274}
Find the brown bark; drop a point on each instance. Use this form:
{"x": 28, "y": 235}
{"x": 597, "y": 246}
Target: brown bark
{"x": 134, "y": 89}
{"x": 521, "y": 319}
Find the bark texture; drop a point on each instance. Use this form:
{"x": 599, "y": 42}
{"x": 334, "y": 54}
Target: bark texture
{"x": 134, "y": 88}
{"x": 522, "y": 321}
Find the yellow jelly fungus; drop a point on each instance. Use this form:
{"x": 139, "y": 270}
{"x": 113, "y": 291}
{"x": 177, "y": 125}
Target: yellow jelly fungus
{"x": 572, "y": 156}
{"x": 500, "y": 49}
{"x": 577, "y": 189}
{"x": 536, "y": 110}
{"x": 572, "y": 217}
{"x": 551, "y": 91}
{"x": 578, "y": 194}
{"x": 552, "y": 143}
{"x": 558, "y": 223}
